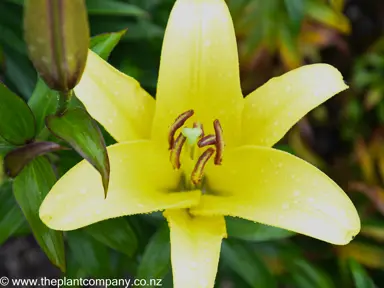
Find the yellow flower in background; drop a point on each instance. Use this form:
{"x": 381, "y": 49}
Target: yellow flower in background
{"x": 200, "y": 151}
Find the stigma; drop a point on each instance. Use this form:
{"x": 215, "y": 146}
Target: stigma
{"x": 194, "y": 138}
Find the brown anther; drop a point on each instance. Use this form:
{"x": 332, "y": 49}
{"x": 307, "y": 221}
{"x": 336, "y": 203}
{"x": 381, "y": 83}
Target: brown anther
{"x": 179, "y": 122}
{"x": 176, "y": 151}
{"x": 197, "y": 173}
{"x": 199, "y": 125}
{"x": 207, "y": 140}
{"x": 219, "y": 142}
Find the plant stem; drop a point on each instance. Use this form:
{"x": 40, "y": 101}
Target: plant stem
{"x": 64, "y": 100}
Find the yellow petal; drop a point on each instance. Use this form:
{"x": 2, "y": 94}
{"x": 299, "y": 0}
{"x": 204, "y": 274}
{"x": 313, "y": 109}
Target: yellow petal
{"x": 195, "y": 248}
{"x": 275, "y": 188}
{"x": 271, "y": 110}
{"x": 199, "y": 69}
{"x": 141, "y": 182}
{"x": 115, "y": 100}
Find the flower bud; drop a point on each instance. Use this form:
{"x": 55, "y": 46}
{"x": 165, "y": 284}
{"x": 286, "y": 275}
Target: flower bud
{"x": 57, "y": 36}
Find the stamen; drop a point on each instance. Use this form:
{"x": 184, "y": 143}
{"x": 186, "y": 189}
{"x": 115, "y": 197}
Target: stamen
{"x": 197, "y": 173}
{"x": 207, "y": 140}
{"x": 219, "y": 142}
{"x": 179, "y": 122}
{"x": 199, "y": 125}
{"x": 176, "y": 151}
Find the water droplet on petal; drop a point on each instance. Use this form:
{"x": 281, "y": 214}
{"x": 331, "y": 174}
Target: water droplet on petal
{"x": 83, "y": 191}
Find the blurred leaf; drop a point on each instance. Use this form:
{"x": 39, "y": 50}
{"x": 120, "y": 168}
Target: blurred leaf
{"x": 366, "y": 254}
{"x": 366, "y": 162}
{"x": 11, "y": 217}
{"x": 373, "y": 229}
{"x": 338, "y": 5}
{"x": 247, "y": 265}
{"x": 325, "y": 14}
{"x": 18, "y": 2}
{"x": 289, "y": 47}
{"x": 302, "y": 150}
{"x": 92, "y": 256}
{"x": 43, "y": 102}
{"x": 252, "y": 231}
{"x": 12, "y": 40}
{"x": 296, "y": 12}
{"x": 19, "y": 72}
{"x": 156, "y": 260}
{"x": 373, "y": 97}
{"x": 15, "y": 161}
{"x": 30, "y": 188}
{"x": 113, "y": 7}
{"x": 360, "y": 276}
{"x": 306, "y": 275}
{"x": 5, "y": 147}
{"x": 75, "y": 270}
{"x": 115, "y": 233}
{"x": 78, "y": 128}
{"x": 17, "y": 125}
{"x": 103, "y": 44}
{"x": 57, "y": 37}
{"x": 374, "y": 193}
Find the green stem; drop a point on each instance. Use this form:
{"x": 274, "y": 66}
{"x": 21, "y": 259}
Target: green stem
{"x": 64, "y": 100}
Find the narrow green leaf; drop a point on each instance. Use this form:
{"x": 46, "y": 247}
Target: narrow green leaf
{"x": 17, "y": 125}
{"x": 19, "y": 72}
{"x": 296, "y": 12}
{"x": 78, "y": 128}
{"x": 5, "y": 147}
{"x": 43, "y": 102}
{"x": 323, "y": 13}
{"x": 360, "y": 276}
{"x": 30, "y": 188}
{"x": 252, "y": 231}
{"x": 246, "y": 264}
{"x": 103, "y": 44}
{"x": 92, "y": 256}
{"x": 305, "y": 275}
{"x": 115, "y": 233}
{"x": 156, "y": 261}
{"x": 15, "y": 161}
{"x": 11, "y": 217}
{"x": 113, "y": 7}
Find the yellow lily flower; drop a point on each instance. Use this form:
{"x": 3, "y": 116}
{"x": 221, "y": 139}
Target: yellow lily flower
{"x": 164, "y": 162}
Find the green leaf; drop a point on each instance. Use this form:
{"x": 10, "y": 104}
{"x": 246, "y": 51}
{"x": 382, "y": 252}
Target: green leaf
{"x": 30, "y": 188}
{"x": 19, "y": 72}
{"x": 156, "y": 261}
{"x": 15, "y": 161}
{"x": 296, "y": 12}
{"x": 78, "y": 128}
{"x": 17, "y": 124}
{"x": 326, "y": 15}
{"x": 306, "y": 275}
{"x": 113, "y": 7}
{"x": 43, "y": 102}
{"x": 115, "y": 233}
{"x": 246, "y": 264}
{"x": 5, "y": 147}
{"x": 360, "y": 276}
{"x": 11, "y": 217}
{"x": 103, "y": 44}
{"x": 252, "y": 231}
{"x": 92, "y": 256}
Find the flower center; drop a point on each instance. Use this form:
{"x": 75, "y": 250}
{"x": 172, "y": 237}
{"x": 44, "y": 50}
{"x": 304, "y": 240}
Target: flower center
{"x": 191, "y": 139}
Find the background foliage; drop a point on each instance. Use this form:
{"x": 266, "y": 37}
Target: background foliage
{"x": 343, "y": 137}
